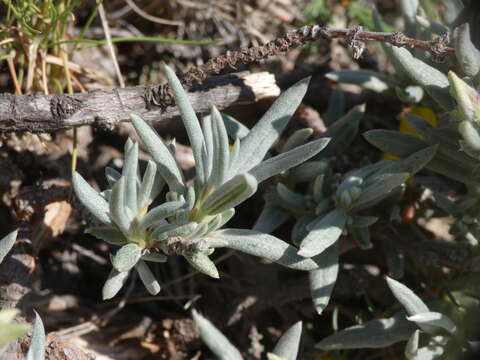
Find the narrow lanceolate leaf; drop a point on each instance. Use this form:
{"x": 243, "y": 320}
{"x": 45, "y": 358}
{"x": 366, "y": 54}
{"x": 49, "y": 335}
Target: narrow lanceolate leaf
{"x": 378, "y": 333}
{"x": 434, "y": 319}
{"x": 129, "y": 172}
{"x": 230, "y": 194}
{"x": 432, "y": 80}
{"x": 287, "y": 160}
{"x": 307, "y": 171}
{"x": 109, "y": 234}
{"x": 322, "y": 280}
{"x": 190, "y": 196}
{"x": 215, "y": 340}
{"x": 262, "y": 245}
{"x": 36, "y": 351}
{"x": 202, "y": 263}
{"x": 118, "y": 209}
{"x": 336, "y": 107}
{"x": 367, "y": 79}
{"x": 128, "y": 145}
{"x": 91, "y": 199}
{"x": 299, "y": 230}
{"x": 225, "y": 218}
{"x": 235, "y": 128}
{"x": 287, "y": 346}
{"x": 448, "y": 163}
{"x": 161, "y": 212}
{"x": 146, "y": 187}
{"x": 147, "y": 277}
{"x": 394, "y": 142}
{"x": 467, "y": 54}
{"x": 190, "y": 121}
{"x": 165, "y": 161}
{"x": 221, "y": 151}
{"x": 270, "y": 218}
{"x": 266, "y": 131}
{"x": 411, "y": 349}
{"x": 411, "y": 302}
{"x": 411, "y": 164}
{"x": 208, "y": 138}
{"x": 378, "y": 190}
{"x": 323, "y": 233}
{"x": 163, "y": 233}
{"x": 291, "y": 198}
{"x": 298, "y": 138}
{"x": 343, "y": 131}
{"x": 6, "y": 244}
{"x": 127, "y": 257}
{"x": 114, "y": 283}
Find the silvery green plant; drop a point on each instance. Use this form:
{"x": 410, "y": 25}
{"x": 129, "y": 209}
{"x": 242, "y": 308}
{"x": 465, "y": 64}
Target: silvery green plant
{"x": 458, "y": 103}
{"x": 188, "y": 223}
{"x": 458, "y": 144}
{"x": 9, "y": 330}
{"x": 428, "y": 333}
{"x": 455, "y": 98}
{"x": 286, "y": 349}
{"x": 281, "y": 203}
{"x": 360, "y": 190}
{"x": 330, "y": 208}
{"x": 418, "y": 74}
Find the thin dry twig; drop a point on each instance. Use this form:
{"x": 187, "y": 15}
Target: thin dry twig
{"x": 13, "y": 74}
{"x": 111, "y": 49}
{"x": 355, "y": 38}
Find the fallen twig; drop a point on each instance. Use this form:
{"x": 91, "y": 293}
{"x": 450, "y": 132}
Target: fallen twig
{"x": 106, "y": 108}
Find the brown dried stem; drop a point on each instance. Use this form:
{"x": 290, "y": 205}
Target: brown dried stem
{"x": 355, "y": 38}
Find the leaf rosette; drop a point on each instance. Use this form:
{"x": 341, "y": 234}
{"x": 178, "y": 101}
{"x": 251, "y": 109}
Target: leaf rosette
{"x": 188, "y": 222}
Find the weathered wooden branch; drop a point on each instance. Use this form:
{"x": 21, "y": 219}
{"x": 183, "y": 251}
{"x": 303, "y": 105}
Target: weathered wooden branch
{"x": 105, "y": 108}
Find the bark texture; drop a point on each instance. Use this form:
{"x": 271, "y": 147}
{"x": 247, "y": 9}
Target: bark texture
{"x": 106, "y": 108}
